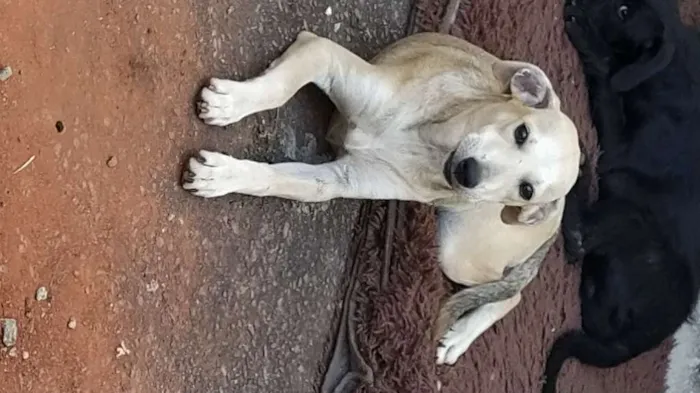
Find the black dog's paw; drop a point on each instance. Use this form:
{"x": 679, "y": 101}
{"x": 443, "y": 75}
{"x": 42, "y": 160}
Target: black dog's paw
{"x": 573, "y": 246}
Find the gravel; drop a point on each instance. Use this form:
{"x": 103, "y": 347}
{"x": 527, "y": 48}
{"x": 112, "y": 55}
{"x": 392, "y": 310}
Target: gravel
{"x": 112, "y": 161}
{"x": 9, "y": 332}
{"x": 42, "y": 294}
{"x": 5, "y": 73}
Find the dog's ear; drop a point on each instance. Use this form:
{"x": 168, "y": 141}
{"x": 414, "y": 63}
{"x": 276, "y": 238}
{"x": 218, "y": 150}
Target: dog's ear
{"x": 529, "y": 214}
{"x": 655, "y": 58}
{"x": 528, "y": 83}
{"x": 657, "y": 55}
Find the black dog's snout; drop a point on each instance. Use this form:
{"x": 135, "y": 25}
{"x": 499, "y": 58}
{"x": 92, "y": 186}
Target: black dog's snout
{"x": 467, "y": 172}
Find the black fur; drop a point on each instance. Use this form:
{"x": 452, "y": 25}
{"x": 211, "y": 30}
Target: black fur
{"x": 640, "y": 241}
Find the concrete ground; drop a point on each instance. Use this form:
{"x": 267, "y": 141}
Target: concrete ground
{"x": 149, "y": 288}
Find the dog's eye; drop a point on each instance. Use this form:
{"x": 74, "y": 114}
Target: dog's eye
{"x": 521, "y": 133}
{"x": 526, "y": 191}
{"x": 622, "y": 12}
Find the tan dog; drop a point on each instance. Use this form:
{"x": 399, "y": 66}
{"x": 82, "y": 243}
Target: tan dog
{"x": 434, "y": 119}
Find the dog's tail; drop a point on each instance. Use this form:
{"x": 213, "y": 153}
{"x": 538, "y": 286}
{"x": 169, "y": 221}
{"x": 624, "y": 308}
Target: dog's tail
{"x": 576, "y": 344}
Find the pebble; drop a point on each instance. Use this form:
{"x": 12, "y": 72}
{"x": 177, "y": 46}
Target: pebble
{"x": 122, "y": 350}
{"x": 5, "y": 73}
{"x": 72, "y": 323}
{"x": 152, "y": 286}
{"x": 13, "y": 353}
{"x": 42, "y": 294}
{"x": 112, "y": 161}
{"x": 9, "y": 332}
{"x": 25, "y": 355}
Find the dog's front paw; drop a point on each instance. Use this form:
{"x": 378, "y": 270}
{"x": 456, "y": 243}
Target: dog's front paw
{"x": 225, "y": 102}
{"x": 452, "y": 345}
{"x": 213, "y": 174}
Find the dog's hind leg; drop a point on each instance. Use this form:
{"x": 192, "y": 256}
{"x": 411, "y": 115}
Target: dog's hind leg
{"x": 513, "y": 281}
{"x": 461, "y": 336}
{"x": 355, "y": 86}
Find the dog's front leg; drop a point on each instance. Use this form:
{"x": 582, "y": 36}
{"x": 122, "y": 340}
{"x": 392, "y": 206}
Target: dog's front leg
{"x": 215, "y": 174}
{"x": 461, "y": 336}
{"x": 597, "y": 60}
{"x": 607, "y": 113}
{"x": 356, "y": 87}
{"x": 576, "y": 208}
{"x": 594, "y": 53}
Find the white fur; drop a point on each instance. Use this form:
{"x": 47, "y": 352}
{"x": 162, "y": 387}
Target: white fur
{"x": 465, "y": 331}
{"x": 424, "y": 99}
{"x": 683, "y": 375}
{"x": 225, "y": 102}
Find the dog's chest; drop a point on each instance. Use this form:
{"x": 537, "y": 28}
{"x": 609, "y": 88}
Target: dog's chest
{"x": 401, "y": 150}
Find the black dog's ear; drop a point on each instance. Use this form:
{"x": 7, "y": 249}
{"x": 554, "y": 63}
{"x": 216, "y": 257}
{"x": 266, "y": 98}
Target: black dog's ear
{"x": 528, "y": 83}
{"x": 655, "y": 58}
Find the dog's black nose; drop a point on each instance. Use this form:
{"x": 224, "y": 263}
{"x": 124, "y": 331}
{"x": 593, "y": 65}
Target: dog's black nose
{"x": 467, "y": 173}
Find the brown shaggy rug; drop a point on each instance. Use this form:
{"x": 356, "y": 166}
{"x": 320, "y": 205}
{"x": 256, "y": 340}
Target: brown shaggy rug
{"x": 397, "y": 285}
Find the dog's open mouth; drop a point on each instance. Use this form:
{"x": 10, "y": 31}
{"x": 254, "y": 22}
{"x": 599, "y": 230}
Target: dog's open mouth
{"x": 447, "y": 169}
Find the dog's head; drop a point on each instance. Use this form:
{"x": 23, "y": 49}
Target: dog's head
{"x": 640, "y": 36}
{"x": 522, "y": 152}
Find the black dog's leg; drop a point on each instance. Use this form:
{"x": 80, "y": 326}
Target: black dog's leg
{"x": 594, "y": 53}
{"x": 575, "y": 210}
{"x": 571, "y": 229}
{"x": 608, "y": 116}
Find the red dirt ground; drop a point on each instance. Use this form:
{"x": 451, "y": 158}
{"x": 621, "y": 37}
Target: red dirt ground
{"x": 70, "y": 221}
{"x": 206, "y": 296}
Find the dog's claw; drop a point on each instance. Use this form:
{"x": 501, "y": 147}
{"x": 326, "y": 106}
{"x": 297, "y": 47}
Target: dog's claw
{"x": 188, "y": 176}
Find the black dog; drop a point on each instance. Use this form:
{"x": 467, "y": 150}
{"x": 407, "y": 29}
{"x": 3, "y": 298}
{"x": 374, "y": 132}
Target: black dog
{"x": 640, "y": 241}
